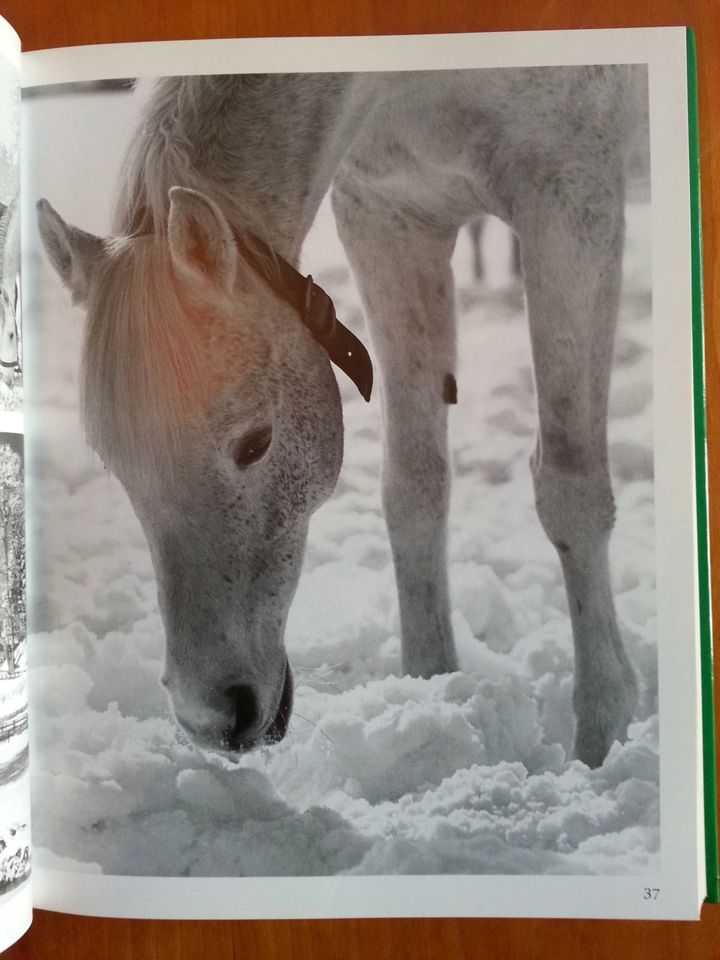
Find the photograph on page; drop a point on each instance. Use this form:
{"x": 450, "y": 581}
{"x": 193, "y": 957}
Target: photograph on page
{"x": 408, "y": 763}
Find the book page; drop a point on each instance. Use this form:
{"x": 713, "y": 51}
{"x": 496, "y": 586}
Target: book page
{"x": 184, "y": 430}
{"x": 15, "y": 897}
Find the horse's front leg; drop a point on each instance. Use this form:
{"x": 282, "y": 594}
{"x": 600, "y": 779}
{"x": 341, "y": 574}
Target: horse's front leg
{"x": 406, "y": 283}
{"x": 572, "y": 256}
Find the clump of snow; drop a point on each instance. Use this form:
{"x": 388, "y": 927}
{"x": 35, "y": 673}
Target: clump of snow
{"x": 14, "y": 831}
{"x": 379, "y": 773}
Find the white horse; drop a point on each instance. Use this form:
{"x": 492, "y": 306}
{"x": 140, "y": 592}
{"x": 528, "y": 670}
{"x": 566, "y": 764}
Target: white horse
{"x": 207, "y": 380}
{"x": 9, "y": 267}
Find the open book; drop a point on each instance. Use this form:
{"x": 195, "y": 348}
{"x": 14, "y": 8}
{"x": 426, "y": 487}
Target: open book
{"x": 360, "y": 383}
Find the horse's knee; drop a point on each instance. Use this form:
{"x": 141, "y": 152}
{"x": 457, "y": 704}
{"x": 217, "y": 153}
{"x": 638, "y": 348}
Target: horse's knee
{"x": 574, "y": 501}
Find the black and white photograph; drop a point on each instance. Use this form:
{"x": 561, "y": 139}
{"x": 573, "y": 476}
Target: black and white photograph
{"x": 14, "y": 777}
{"x": 10, "y": 327}
{"x": 352, "y": 574}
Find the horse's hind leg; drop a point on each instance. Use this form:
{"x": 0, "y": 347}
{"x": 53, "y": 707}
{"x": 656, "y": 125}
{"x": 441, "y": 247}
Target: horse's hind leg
{"x": 405, "y": 280}
{"x": 572, "y": 255}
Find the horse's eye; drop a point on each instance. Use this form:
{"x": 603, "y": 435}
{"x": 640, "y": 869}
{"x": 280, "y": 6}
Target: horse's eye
{"x": 252, "y": 447}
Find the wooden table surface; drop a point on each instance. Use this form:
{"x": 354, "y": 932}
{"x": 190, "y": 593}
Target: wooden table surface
{"x": 51, "y": 23}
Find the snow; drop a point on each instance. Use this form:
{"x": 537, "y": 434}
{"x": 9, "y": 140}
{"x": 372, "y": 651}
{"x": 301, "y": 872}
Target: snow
{"x": 14, "y": 832}
{"x": 14, "y": 787}
{"x": 13, "y": 693}
{"x": 10, "y": 391}
{"x": 9, "y": 750}
{"x": 379, "y": 773}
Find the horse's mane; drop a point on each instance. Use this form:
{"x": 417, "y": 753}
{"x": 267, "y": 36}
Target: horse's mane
{"x": 176, "y": 144}
{"x": 144, "y": 370}
{"x": 141, "y": 366}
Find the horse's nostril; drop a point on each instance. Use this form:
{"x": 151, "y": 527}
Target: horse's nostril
{"x": 245, "y": 708}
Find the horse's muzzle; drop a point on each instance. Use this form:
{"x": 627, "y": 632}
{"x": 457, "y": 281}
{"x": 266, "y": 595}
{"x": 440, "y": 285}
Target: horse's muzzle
{"x": 278, "y": 728}
{"x": 232, "y": 721}
{"x": 245, "y": 707}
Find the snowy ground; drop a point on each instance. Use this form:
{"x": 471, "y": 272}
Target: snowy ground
{"x": 379, "y": 773}
{"x": 12, "y": 692}
{"x": 10, "y": 390}
{"x": 14, "y": 833}
{"x": 13, "y": 699}
{"x": 14, "y": 796}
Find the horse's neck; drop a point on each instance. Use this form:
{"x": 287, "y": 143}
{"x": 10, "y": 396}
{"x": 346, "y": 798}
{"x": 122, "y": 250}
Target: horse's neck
{"x": 265, "y": 148}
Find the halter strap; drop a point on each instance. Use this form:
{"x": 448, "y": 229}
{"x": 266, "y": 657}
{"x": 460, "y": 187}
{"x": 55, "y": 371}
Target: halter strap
{"x": 314, "y": 307}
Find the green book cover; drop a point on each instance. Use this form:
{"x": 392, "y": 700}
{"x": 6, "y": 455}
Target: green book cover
{"x": 706, "y": 650}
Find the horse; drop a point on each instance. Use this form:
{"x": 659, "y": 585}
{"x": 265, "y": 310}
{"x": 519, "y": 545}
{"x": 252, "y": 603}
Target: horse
{"x": 207, "y": 382}
{"x": 9, "y": 266}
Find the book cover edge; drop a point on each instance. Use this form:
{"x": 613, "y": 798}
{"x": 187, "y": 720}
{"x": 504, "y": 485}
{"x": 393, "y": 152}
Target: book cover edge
{"x": 704, "y": 588}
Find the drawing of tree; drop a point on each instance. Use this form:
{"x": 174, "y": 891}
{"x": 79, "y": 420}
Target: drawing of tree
{"x": 12, "y": 556}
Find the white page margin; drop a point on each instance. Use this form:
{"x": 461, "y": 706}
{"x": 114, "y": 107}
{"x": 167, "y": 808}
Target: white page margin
{"x": 681, "y": 882}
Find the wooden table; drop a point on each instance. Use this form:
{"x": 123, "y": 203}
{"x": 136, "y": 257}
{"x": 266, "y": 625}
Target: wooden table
{"x": 49, "y": 23}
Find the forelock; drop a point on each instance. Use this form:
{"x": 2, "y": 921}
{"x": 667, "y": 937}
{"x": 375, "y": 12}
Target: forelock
{"x": 153, "y": 360}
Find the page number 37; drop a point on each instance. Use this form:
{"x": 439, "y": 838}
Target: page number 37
{"x": 651, "y": 893}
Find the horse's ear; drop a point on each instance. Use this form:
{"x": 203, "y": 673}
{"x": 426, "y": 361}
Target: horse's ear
{"x": 74, "y": 253}
{"x": 202, "y": 245}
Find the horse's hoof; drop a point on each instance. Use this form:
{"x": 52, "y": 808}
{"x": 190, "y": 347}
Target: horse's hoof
{"x": 592, "y": 751}
{"x": 593, "y": 742}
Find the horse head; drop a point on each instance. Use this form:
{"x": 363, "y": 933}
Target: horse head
{"x": 218, "y": 411}
{"x": 9, "y": 346}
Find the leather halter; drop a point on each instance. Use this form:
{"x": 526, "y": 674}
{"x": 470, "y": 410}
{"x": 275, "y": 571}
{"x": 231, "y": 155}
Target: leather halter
{"x": 314, "y": 307}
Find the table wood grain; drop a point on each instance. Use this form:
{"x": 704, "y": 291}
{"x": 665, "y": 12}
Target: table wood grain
{"x": 52, "y": 23}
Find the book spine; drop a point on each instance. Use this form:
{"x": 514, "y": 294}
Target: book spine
{"x": 706, "y": 650}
